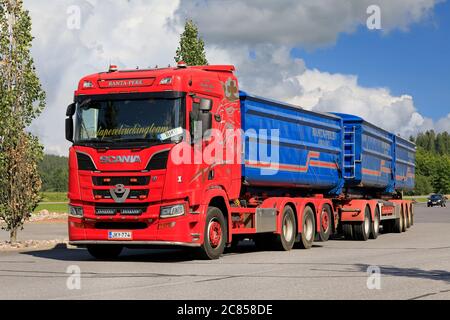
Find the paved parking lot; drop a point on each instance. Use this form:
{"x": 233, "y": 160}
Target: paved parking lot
{"x": 413, "y": 265}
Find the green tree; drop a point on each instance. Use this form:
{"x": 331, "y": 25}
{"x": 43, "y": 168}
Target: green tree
{"x": 21, "y": 100}
{"x": 54, "y": 172}
{"x": 423, "y": 185}
{"x": 192, "y": 47}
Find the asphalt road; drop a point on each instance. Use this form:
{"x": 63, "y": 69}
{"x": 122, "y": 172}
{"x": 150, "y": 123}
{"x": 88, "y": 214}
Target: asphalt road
{"x": 413, "y": 265}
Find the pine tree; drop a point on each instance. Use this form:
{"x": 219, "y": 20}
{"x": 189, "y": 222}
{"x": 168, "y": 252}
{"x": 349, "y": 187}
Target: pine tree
{"x": 192, "y": 47}
{"x": 21, "y": 100}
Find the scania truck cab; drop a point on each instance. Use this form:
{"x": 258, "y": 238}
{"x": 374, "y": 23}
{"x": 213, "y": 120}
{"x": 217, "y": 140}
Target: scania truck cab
{"x": 125, "y": 187}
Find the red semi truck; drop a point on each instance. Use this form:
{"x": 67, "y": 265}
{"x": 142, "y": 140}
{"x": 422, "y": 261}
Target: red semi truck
{"x": 180, "y": 157}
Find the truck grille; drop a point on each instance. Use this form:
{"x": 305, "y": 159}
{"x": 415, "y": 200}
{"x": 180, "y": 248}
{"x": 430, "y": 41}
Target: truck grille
{"x": 126, "y": 181}
{"x": 125, "y": 210}
{"x": 134, "y": 194}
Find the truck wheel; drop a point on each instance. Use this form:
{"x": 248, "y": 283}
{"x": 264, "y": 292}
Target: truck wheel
{"x": 411, "y": 210}
{"x": 285, "y": 241}
{"x": 398, "y": 224}
{"x": 362, "y": 230}
{"x": 347, "y": 230}
{"x": 326, "y": 224}
{"x": 215, "y": 235}
{"x": 375, "y": 226}
{"x": 309, "y": 227}
{"x": 104, "y": 252}
{"x": 408, "y": 215}
{"x": 405, "y": 221}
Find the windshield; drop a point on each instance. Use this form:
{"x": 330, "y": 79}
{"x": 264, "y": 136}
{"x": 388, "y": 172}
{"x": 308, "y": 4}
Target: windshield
{"x": 121, "y": 121}
{"x": 435, "y": 197}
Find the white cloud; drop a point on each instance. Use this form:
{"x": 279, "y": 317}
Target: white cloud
{"x": 342, "y": 93}
{"x": 295, "y": 22}
{"x": 256, "y": 36}
{"x": 127, "y": 33}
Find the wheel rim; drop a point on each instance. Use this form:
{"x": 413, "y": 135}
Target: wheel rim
{"x": 366, "y": 225}
{"x": 376, "y": 224}
{"x": 325, "y": 221}
{"x": 215, "y": 233}
{"x": 308, "y": 228}
{"x": 288, "y": 228}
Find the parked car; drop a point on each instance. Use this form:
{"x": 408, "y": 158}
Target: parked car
{"x": 437, "y": 200}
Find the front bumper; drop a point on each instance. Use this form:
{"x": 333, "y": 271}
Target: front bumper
{"x": 136, "y": 243}
{"x": 147, "y": 229}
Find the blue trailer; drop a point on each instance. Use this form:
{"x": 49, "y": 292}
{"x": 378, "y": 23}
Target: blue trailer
{"x": 310, "y": 146}
{"x": 368, "y": 156}
{"x": 405, "y": 168}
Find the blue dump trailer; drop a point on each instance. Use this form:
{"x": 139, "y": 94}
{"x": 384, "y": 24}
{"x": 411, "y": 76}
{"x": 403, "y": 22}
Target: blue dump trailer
{"x": 369, "y": 154}
{"x": 322, "y": 152}
{"x": 310, "y": 146}
{"x": 405, "y": 168}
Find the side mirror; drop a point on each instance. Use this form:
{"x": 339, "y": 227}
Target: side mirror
{"x": 206, "y": 119}
{"x": 70, "y": 110}
{"x": 69, "y": 129}
{"x": 205, "y": 105}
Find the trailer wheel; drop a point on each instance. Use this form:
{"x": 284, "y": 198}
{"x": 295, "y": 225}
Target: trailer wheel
{"x": 398, "y": 224}
{"x": 347, "y": 230}
{"x": 408, "y": 217}
{"x": 104, "y": 252}
{"x": 362, "y": 230}
{"x": 375, "y": 226}
{"x": 309, "y": 227}
{"x": 326, "y": 224}
{"x": 215, "y": 235}
{"x": 405, "y": 220}
{"x": 285, "y": 241}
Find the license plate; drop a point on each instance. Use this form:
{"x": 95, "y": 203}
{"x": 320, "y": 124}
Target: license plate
{"x": 120, "y": 235}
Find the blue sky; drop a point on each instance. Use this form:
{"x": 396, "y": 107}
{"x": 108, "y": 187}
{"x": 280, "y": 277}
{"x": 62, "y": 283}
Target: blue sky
{"x": 416, "y": 62}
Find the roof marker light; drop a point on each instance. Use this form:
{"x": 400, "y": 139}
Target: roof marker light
{"x": 113, "y": 68}
{"x": 87, "y": 84}
{"x": 182, "y": 65}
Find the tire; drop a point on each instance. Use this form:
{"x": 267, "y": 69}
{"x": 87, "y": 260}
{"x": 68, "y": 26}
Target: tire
{"x": 308, "y": 227}
{"x": 375, "y": 225}
{"x": 361, "y": 230}
{"x": 411, "y": 210}
{"x": 407, "y": 218}
{"x": 104, "y": 252}
{"x": 398, "y": 223}
{"x": 286, "y": 240}
{"x": 326, "y": 221}
{"x": 347, "y": 230}
{"x": 405, "y": 221}
{"x": 215, "y": 235}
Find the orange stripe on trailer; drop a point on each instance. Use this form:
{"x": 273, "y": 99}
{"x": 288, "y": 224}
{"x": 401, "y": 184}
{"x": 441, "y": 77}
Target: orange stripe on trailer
{"x": 295, "y": 168}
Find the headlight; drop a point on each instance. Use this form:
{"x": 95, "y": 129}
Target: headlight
{"x": 172, "y": 211}
{"x": 76, "y": 212}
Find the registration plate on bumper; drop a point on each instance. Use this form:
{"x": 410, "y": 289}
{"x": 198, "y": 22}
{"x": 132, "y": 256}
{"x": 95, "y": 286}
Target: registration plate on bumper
{"x": 120, "y": 235}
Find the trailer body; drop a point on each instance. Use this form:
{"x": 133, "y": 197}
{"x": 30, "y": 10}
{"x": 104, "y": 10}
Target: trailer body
{"x": 310, "y": 146}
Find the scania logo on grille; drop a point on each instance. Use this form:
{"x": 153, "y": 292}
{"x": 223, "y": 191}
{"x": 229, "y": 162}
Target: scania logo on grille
{"x": 120, "y": 159}
{"x": 119, "y": 193}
